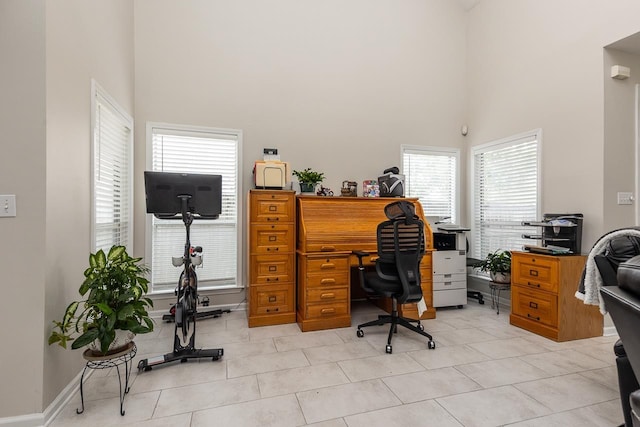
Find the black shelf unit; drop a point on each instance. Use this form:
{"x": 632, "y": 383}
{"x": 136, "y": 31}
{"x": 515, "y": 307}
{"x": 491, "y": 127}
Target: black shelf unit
{"x": 559, "y": 231}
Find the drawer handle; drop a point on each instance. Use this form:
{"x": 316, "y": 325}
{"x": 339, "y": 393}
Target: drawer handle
{"x": 327, "y": 248}
{"x": 327, "y": 281}
{"x": 272, "y": 299}
{"x": 534, "y": 273}
{"x": 272, "y": 249}
{"x": 330, "y": 295}
{"x": 447, "y": 283}
{"x": 273, "y": 208}
{"x": 269, "y": 310}
{"x": 328, "y": 265}
{"x": 447, "y": 275}
{"x": 272, "y": 279}
{"x": 533, "y": 304}
{"x": 533, "y": 317}
{"x": 273, "y": 238}
{"x": 537, "y": 285}
{"x": 328, "y": 311}
{"x": 273, "y": 268}
{"x": 273, "y": 219}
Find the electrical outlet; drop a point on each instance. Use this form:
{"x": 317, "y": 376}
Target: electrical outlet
{"x": 625, "y": 198}
{"x": 7, "y": 205}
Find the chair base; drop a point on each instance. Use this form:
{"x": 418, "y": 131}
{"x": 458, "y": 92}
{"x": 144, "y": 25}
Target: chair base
{"x": 394, "y": 320}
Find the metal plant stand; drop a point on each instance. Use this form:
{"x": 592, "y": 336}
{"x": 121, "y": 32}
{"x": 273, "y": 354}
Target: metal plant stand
{"x": 496, "y": 288}
{"x": 124, "y": 357}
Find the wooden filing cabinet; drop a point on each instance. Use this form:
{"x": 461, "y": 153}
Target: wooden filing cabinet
{"x": 543, "y": 297}
{"x": 272, "y": 228}
{"x": 325, "y": 300}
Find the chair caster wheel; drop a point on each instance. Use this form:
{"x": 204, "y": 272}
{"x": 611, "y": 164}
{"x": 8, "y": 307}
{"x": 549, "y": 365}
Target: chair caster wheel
{"x": 360, "y": 333}
{"x": 431, "y": 345}
{"x": 481, "y": 302}
{"x": 420, "y": 326}
{"x": 389, "y": 349}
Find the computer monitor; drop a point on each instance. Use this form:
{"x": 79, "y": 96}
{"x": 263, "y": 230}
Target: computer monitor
{"x": 165, "y": 192}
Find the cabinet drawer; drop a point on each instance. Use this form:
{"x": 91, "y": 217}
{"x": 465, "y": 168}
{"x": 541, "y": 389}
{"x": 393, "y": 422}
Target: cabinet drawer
{"x": 443, "y": 284}
{"x": 535, "y": 306}
{"x": 318, "y": 311}
{"x": 328, "y": 264}
{"x": 322, "y": 295}
{"x": 272, "y": 269}
{"x": 455, "y": 277}
{"x": 272, "y": 207}
{"x": 272, "y": 239}
{"x": 449, "y": 262}
{"x": 271, "y": 299}
{"x": 535, "y": 272}
{"x": 330, "y": 279}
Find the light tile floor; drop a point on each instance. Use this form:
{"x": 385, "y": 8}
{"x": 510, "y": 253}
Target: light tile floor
{"x": 483, "y": 372}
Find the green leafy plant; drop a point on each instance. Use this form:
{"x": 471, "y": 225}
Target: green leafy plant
{"x": 496, "y": 262}
{"x": 114, "y": 287}
{"x": 308, "y": 176}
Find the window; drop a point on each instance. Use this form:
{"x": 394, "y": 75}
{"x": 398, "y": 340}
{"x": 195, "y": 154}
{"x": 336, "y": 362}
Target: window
{"x": 431, "y": 174}
{"x": 174, "y": 148}
{"x": 505, "y": 192}
{"x": 112, "y": 153}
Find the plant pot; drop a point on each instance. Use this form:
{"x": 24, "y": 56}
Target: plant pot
{"x": 119, "y": 343}
{"x": 500, "y": 277}
{"x": 307, "y": 188}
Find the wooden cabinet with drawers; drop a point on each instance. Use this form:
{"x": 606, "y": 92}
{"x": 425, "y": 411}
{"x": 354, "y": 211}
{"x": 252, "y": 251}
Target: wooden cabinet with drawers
{"x": 271, "y": 293}
{"x": 543, "y": 297}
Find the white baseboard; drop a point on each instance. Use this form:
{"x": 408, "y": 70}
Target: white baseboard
{"x": 43, "y": 419}
{"x": 609, "y": 331}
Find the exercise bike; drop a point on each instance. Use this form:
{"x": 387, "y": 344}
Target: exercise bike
{"x": 185, "y": 313}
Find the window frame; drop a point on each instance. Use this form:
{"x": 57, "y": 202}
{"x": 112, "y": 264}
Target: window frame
{"x": 535, "y": 134}
{"x": 435, "y": 151}
{"x": 237, "y": 134}
{"x": 99, "y": 94}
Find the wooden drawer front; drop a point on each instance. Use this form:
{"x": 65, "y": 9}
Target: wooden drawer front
{"x": 535, "y": 306}
{"x": 320, "y": 295}
{"x": 272, "y": 239}
{"x": 271, "y": 299}
{"x": 334, "y": 279}
{"x": 272, "y": 268}
{"x": 318, "y": 311}
{"x": 271, "y": 207}
{"x": 536, "y": 272}
{"x": 328, "y": 264}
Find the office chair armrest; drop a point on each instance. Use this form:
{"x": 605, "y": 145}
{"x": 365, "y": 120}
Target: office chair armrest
{"x": 360, "y": 255}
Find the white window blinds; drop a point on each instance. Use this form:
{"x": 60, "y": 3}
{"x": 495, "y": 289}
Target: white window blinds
{"x": 431, "y": 174}
{"x": 112, "y": 170}
{"x": 506, "y": 181}
{"x": 197, "y": 150}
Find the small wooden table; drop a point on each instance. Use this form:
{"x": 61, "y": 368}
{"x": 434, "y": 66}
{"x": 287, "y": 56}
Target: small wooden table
{"x": 124, "y": 357}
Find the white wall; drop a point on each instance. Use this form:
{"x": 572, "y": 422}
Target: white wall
{"x": 84, "y": 40}
{"x": 535, "y": 63}
{"x": 336, "y": 86}
{"x": 22, "y": 172}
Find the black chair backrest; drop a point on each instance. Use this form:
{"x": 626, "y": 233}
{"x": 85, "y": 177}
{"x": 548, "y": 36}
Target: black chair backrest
{"x": 401, "y": 246}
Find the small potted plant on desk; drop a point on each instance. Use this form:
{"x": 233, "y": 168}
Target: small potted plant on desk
{"x": 115, "y": 308}
{"x": 498, "y": 264}
{"x": 308, "y": 179}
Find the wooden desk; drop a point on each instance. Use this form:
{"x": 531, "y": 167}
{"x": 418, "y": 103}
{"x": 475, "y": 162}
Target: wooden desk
{"x": 328, "y": 230}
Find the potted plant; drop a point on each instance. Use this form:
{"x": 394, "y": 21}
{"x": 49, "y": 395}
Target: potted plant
{"x": 115, "y": 308}
{"x": 308, "y": 179}
{"x": 498, "y": 264}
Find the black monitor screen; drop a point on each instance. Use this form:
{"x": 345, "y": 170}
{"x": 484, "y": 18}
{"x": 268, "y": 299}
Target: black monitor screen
{"x": 164, "y": 191}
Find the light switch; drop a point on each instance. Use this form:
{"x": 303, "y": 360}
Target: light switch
{"x": 7, "y": 205}
{"x": 625, "y": 198}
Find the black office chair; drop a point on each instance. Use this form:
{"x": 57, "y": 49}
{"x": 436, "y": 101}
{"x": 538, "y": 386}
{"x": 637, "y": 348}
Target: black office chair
{"x": 397, "y": 274}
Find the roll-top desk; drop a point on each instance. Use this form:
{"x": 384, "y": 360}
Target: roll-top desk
{"x": 329, "y": 229}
